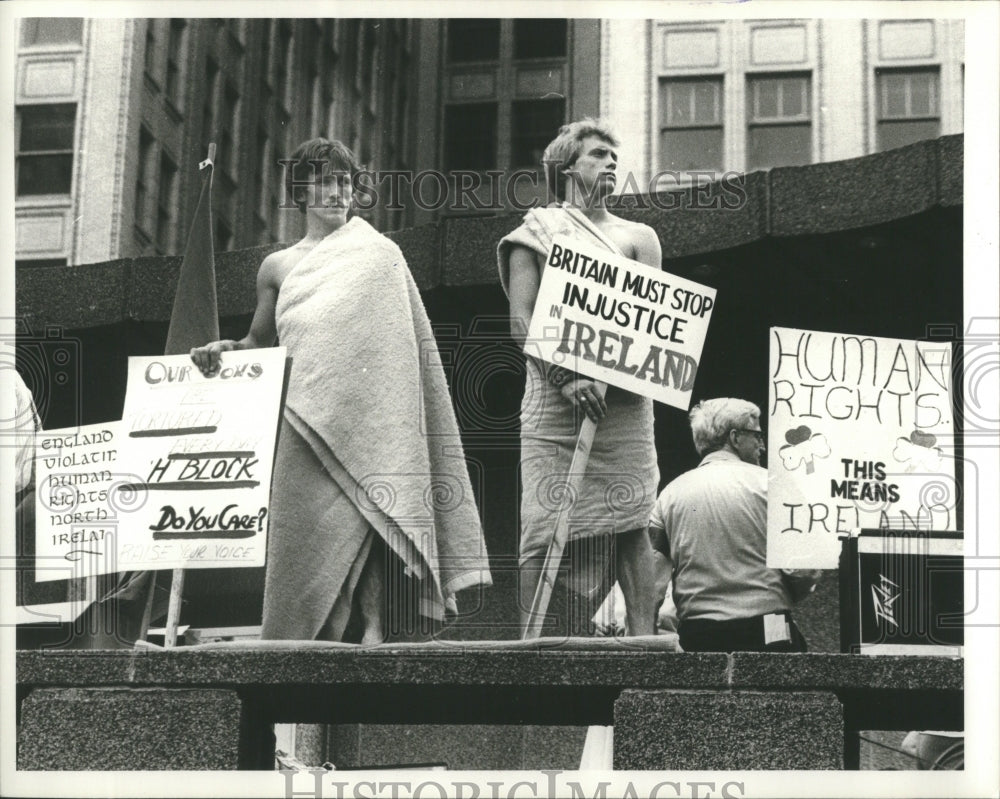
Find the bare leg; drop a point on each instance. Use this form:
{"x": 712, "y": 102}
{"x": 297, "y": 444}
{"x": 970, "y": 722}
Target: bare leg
{"x": 371, "y": 597}
{"x": 634, "y": 570}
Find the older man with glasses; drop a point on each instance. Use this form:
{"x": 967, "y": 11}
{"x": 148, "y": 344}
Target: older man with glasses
{"x": 709, "y": 534}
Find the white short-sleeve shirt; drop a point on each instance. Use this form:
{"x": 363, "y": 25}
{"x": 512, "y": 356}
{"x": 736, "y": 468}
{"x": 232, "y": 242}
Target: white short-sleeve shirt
{"x": 714, "y": 518}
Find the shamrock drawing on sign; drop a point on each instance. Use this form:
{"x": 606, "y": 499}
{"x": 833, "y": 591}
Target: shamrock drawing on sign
{"x": 919, "y": 452}
{"x": 803, "y": 447}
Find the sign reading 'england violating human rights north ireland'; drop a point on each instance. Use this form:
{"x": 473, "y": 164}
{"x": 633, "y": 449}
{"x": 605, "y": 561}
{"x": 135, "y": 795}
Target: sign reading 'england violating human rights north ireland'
{"x": 619, "y": 321}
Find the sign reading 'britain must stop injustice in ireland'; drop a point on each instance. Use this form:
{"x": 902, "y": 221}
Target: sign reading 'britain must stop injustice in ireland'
{"x": 619, "y": 321}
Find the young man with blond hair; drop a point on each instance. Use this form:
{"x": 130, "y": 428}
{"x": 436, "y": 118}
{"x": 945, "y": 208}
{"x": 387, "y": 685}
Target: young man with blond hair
{"x": 607, "y": 535}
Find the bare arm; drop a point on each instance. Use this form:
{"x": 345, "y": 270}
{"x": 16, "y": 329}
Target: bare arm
{"x": 262, "y": 328}
{"x": 647, "y": 247}
{"x": 523, "y": 287}
{"x": 662, "y": 565}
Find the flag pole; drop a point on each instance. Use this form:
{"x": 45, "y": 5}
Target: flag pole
{"x": 560, "y": 534}
{"x": 193, "y": 327}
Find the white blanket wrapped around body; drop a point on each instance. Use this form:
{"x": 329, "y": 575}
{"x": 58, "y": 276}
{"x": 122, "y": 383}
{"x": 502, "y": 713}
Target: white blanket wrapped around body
{"x": 368, "y": 396}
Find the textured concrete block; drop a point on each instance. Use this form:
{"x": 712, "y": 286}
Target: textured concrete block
{"x": 708, "y": 218}
{"x": 422, "y": 248}
{"x": 855, "y": 672}
{"x": 549, "y": 747}
{"x": 73, "y": 297}
{"x": 840, "y": 195}
{"x": 236, "y": 279}
{"x": 470, "y": 249}
{"x": 951, "y": 173}
{"x": 702, "y": 730}
{"x": 110, "y": 729}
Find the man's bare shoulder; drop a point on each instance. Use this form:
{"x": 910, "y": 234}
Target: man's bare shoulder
{"x": 639, "y": 231}
{"x": 637, "y": 240}
{"x": 278, "y": 264}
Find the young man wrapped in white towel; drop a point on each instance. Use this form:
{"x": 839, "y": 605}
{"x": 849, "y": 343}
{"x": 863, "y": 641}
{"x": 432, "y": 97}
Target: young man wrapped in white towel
{"x": 374, "y": 525}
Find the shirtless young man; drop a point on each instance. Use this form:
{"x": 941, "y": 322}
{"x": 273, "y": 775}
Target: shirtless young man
{"x": 581, "y": 171}
{"x": 325, "y": 209}
{"x": 319, "y": 182}
{"x": 333, "y": 551}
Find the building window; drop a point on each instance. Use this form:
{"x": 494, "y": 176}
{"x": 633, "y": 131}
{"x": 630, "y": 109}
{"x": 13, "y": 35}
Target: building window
{"x": 144, "y": 178}
{"x": 166, "y": 201}
{"x": 52, "y": 30}
{"x": 473, "y": 40}
{"x": 691, "y": 124}
{"x": 534, "y": 123}
{"x": 175, "y": 57}
{"x": 44, "y": 157}
{"x": 208, "y": 119}
{"x": 282, "y": 54}
{"x": 261, "y": 177}
{"x": 779, "y": 121}
{"x": 908, "y": 106}
{"x": 470, "y": 136}
{"x": 230, "y": 123}
{"x": 539, "y": 38}
{"x": 267, "y": 32}
{"x": 149, "y": 57}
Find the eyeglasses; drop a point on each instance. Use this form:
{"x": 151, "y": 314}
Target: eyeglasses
{"x": 758, "y": 434}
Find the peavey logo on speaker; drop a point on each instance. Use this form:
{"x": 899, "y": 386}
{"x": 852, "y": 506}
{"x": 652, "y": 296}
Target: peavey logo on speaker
{"x": 884, "y": 596}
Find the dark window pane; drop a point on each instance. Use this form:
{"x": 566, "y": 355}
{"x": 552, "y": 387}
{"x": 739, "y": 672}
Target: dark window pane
{"x": 47, "y": 127}
{"x": 470, "y": 136}
{"x": 778, "y": 98}
{"x": 691, "y": 148}
{"x": 898, "y": 134}
{"x": 765, "y": 99}
{"x": 150, "y": 54}
{"x": 175, "y": 51}
{"x": 534, "y": 123}
{"x": 907, "y": 93}
{"x": 691, "y": 102}
{"x": 793, "y": 100}
{"x": 779, "y": 145}
{"x": 539, "y": 38}
{"x": 473, "y": 40}
{"x": 53, "y": 30}
{"x": 44, "y": 174}
{"x": 706, "y": 101}
{"x": 893, "y": 95}
{"x": 678, "y": 100}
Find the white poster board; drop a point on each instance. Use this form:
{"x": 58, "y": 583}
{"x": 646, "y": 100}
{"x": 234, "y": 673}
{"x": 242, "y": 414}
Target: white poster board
{"x": 619, "y": 321}
{"x": 76, "y": 517}
{"x": 860, "y": 435}
{"x": 203, "y": 450}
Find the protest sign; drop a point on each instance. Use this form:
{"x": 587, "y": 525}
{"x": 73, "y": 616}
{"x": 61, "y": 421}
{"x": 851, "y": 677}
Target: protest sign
{"x": 203, "y": 448}
{"x": 619, "y": 321}
{"x": 860, "y": 435}
{"x": 75, "y": 512}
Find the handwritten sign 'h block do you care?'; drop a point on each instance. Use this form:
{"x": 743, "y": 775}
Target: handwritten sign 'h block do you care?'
{"x": 202, "y": 451}
{"x": 619, "y": 321}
